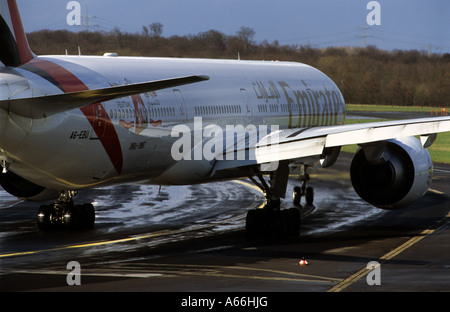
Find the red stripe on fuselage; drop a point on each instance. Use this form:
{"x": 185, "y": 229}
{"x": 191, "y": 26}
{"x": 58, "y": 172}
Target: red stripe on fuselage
{"x": 106, "y": 132}
{"x": 25, "y": 53}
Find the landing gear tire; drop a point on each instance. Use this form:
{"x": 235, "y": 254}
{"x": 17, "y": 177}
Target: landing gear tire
{"x": 297, "y": 196}
{"x": 72, "y": 218}
{"x": 64, "y": 214}
{"x": 43, "y": 217}
{"x": 309, "y": 195}
{"x": 291, "y": 222}
{"x": 87, "y": 213}
{"x": 80, "y": 217}
{"x": 273, "y": 223}
{"x": 254, "y": 223}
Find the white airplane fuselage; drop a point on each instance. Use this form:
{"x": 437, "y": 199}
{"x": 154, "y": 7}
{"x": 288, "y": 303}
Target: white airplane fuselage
{"x": 76, "y": 122}
{"x": 130, "y": 139}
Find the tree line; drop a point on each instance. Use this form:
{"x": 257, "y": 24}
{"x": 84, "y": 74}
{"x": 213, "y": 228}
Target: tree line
{"x": 364, "y": 75}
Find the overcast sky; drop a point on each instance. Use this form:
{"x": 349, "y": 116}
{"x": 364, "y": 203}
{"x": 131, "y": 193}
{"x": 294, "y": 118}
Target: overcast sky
{"x": 405, "y": 24}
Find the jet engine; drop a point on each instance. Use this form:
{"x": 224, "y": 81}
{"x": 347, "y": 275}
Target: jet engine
{"x": 24, "y": 189}
{"x": 391, "y": 174}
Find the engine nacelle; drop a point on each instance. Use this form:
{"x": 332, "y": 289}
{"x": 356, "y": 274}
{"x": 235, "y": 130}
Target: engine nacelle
{"x": 24, "y": 189}
{"x": 392, "y": 174}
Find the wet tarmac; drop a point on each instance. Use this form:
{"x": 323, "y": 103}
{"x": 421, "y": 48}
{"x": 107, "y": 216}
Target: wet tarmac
{"x": 192, "y": 239}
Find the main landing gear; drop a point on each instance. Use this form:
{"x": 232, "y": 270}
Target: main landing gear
{"x": 65, "y": 214}
{"x": 270, "y": 220}
{"x": 299, "y": 191}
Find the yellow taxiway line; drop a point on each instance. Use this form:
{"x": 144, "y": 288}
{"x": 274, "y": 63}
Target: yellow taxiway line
{"x": 390, "y": 255}
{"x": 116, "y": 241}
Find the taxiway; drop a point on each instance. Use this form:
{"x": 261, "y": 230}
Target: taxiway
{"x": 191, "y": 239}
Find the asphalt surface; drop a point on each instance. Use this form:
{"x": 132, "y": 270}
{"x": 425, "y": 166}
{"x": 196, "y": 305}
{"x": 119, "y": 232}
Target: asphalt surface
{"x": 209, "y": 251}
{"x": 191, "y": 240}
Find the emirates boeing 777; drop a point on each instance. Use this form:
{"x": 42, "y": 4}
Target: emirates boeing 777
{"x": 70, "y": 123}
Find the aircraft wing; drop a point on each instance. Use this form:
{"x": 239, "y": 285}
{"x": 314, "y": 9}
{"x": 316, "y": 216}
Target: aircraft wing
{"x": 44, "y": 106}
{"x": 299, "y": 143}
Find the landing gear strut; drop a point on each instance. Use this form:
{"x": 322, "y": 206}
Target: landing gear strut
{"x": 307, "y": 192}
{"x": 65, "y": 214}
{"x": 270, "y": 219}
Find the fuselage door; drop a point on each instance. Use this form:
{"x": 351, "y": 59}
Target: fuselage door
{"x": 181, "y": 114}
{"x": 247, "y": 104}
{"x": 98, "y": 121}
